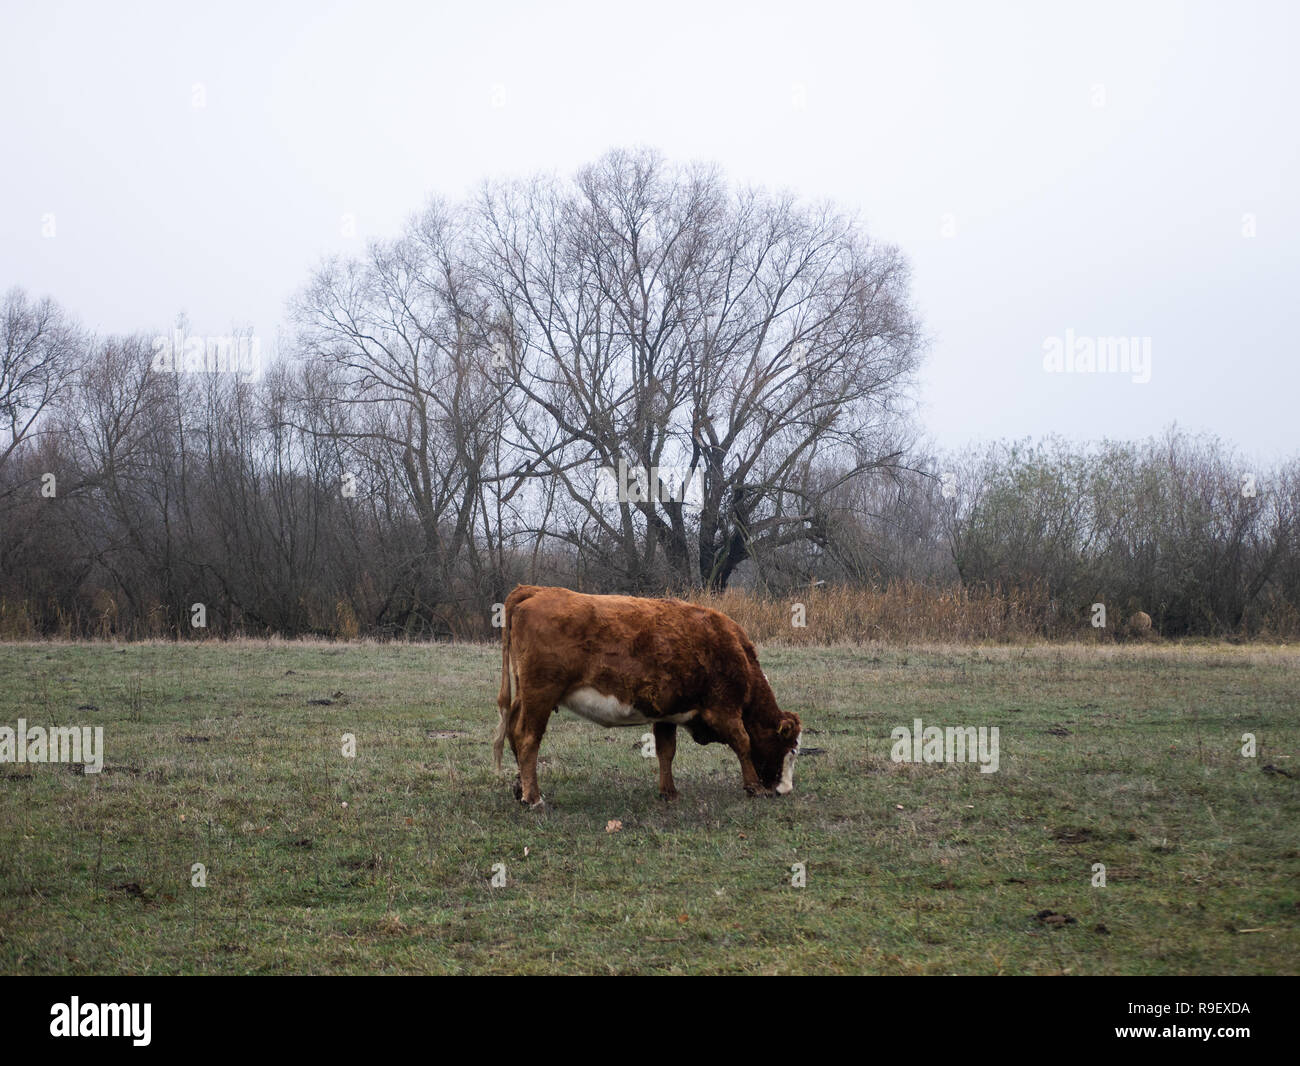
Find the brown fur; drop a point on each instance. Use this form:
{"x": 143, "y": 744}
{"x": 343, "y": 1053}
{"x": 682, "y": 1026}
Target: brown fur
{"x": 1139, "y": 626}
{"x": 663, "y": 657}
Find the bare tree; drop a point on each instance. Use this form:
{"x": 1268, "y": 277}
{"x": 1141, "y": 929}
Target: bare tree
{"x": 401, "y": 332}
{"x": 743, "y": 340}
{"x": 39, "y": 347}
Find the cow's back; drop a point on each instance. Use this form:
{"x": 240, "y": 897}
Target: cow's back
{"x": 656, "y": 655}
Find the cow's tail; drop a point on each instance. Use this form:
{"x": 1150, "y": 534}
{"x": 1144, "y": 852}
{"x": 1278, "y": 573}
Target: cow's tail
{"x": 508, "y": 697}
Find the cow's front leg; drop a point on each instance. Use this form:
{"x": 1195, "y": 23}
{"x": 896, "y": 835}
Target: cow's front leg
{"x": 666, "y": 747}
{"x": 732, "y": 732}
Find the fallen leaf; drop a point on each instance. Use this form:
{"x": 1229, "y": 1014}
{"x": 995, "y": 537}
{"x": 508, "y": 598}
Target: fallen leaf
{"x": 613, "y": 826}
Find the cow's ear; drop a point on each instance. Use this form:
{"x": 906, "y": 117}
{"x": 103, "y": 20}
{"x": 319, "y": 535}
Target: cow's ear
{"x": 786, "y": 728}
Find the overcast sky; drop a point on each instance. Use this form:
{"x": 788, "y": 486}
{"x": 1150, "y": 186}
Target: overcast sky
{"x": 1084, "y": 167}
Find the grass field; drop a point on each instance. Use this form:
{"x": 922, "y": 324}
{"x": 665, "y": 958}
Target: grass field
{"x": 382, "y": 863}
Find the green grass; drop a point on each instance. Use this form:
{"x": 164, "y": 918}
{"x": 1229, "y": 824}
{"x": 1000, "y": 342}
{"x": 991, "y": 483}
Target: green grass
{"x": 1127, "y": 756}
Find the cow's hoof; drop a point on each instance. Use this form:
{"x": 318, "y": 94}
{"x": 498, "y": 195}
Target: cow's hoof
{"x": 537, "y": 804}
{"x": 668, "y": 797}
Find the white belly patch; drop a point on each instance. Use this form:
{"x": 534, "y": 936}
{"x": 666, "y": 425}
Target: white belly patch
{"x": 786, "y": 783}
{"x": 610, "y": 711}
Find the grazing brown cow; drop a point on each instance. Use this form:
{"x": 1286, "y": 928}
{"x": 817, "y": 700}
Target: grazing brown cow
{"x": 626, "y": 661}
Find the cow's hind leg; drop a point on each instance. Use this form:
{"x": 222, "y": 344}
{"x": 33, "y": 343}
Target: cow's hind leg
{"x": 525, "y": 738}
{"x": 666, "y": 747}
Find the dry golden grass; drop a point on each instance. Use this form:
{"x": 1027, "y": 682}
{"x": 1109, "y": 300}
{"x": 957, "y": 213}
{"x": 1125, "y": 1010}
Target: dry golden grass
{"x": 822, "y": 615}
{"x": 901, "y": 612}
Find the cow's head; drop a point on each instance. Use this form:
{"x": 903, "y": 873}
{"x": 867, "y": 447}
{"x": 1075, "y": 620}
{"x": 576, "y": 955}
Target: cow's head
{"x": 774, "y": 752}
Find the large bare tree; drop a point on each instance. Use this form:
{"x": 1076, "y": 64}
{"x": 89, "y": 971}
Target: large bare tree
{"x": 747, "y": 342}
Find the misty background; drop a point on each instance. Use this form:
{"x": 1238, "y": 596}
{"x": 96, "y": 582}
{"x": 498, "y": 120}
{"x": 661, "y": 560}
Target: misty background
{"x": 998, "y": 179}
{"x": 1094, "y": 162}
